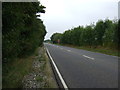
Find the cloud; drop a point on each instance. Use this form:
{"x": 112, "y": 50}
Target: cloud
{"x": 62, "y": 15}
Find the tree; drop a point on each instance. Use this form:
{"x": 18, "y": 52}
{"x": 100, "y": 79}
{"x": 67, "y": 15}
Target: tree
{"x": 104, "y": 33}
{"x": 56, "y": 37}
{"x": 109, "y": 33}
{"x": 99, "y": 32}
{"x": 22, "y": 31}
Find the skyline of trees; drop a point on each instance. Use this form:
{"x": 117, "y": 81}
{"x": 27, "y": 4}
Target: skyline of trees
{"x": 104, "y": 33}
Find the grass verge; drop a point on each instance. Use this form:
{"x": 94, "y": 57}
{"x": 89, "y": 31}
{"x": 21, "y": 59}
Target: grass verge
{"x": 18, "y": 69}
{"x": 24, "y": 66}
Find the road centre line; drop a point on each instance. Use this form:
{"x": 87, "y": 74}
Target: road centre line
{"x": 69, "y": 50}
{"x": 76, "y": 53}
{"x": 58, "y": 72}
{"x": 88, "y": 57}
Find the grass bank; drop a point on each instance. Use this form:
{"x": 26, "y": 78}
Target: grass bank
{"x": 17, "y": 70}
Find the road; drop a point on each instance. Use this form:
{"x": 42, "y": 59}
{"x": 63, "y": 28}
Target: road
{"x": 85, "y": 69}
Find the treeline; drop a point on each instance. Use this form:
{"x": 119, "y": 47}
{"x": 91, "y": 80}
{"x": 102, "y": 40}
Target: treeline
{"x": 22, "y": 31}
{"x": 104, "y": 33}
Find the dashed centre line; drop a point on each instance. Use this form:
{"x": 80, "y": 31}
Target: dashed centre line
{"x": 69, "y": 50}
{"x": 88, "y": 57}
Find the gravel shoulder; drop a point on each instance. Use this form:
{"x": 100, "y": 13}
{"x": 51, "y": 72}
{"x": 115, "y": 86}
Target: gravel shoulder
{"x": 41, "y": 75}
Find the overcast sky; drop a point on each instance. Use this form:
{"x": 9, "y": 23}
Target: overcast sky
{"x": 62, "y": 15}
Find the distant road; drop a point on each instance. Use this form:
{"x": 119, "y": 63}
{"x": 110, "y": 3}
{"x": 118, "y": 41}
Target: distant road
{"x": 85, "y": 69}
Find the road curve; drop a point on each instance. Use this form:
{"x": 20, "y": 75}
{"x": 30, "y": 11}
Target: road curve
{"x": 85, "y": 69}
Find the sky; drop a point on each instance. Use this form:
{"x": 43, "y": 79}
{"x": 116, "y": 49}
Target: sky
{"x": 62, "y": 15}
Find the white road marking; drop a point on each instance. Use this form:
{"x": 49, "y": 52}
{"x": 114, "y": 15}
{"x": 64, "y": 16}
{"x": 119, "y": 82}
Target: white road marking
{"x": 69, "y": 50}
{"x": 88, "y": 57}
{"x": 58, "y": 72}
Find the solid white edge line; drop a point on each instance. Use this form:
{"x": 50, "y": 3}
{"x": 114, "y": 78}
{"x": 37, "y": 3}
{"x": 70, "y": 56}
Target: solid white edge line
{"x": 88, "y": 57}
{"x": 58, "y": 72}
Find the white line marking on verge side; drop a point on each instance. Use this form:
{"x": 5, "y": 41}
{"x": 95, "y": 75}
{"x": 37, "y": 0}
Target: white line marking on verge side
{"x": 58, "y": 72}
{"x": 88, "y": 57}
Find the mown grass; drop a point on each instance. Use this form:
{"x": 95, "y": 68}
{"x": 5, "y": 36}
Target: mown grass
{"x": 104, "y": 50}
{"x": 16, "y": 71}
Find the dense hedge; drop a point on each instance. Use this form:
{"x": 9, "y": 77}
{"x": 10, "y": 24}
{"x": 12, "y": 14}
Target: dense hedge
{"x": 104, "y": 33}
{"x": 22, "y": 31}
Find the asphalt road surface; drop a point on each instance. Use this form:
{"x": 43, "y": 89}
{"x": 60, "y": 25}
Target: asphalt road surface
{"x": 85, "y": 69}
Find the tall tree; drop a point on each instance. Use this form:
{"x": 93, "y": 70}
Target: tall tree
{"x": 22, "y": 30}
{"x": 99, "y": 32}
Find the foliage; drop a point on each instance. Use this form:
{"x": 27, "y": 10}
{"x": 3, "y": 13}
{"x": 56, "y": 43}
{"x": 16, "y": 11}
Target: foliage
{"x": 22, "y": 31}
{"x": 56, "y": 37}
{"x": 48, "y": 41}
{"x": 104, "y": 34}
